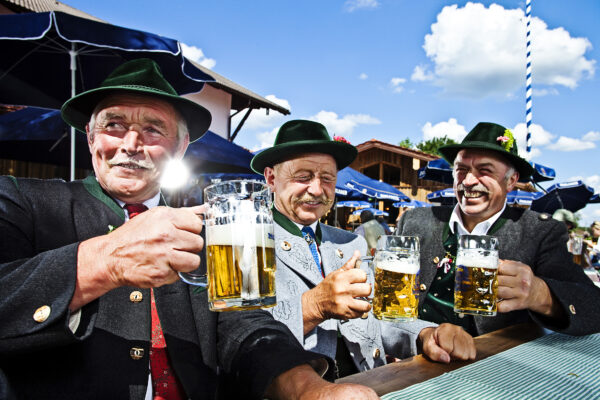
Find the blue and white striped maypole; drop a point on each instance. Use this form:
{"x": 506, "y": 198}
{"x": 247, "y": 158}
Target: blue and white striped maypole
{"x": 529, "y": 91}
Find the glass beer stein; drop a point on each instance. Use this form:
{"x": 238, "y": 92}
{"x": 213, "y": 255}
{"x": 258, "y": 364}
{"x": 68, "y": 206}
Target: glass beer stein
{"x": 240, "y": 252}
{"x": 476, "y": 277}
{"x": 396, "y": 263}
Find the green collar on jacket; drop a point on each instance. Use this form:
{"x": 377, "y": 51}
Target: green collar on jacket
{"x": 291, "y": 227}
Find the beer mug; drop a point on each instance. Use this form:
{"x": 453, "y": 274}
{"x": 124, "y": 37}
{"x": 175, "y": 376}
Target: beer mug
{"x": 240, "y": 252}
{"x": 575, "y": 245}
{"x": 476, "y": 276}
{"x": 396, "y": 263}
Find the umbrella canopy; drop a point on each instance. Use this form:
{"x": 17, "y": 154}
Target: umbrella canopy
{"x": 49, "y": 57}
{"x": 412, "y": 204}
{"x": 521, "y": 197}
{"x": 375, "y": 211}
{"x": 40, "y": 135}
{"x": 440, "y": 171}
{"x": 353, "y": 204}
{"x": 572, "y": 196}
{"x": 445, "y": 197}
{"x": 212, "y": 153}
{"x": 437, "y": 170}
{"x": 350, "y": 178}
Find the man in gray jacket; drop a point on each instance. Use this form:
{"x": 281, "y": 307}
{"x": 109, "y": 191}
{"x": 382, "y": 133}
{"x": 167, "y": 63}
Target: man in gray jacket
{"x": 537, "y": 279}
{"x": 320, "y": 293}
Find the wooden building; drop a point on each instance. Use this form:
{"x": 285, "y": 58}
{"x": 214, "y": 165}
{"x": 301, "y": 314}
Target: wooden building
{"x": 397, "y": 166}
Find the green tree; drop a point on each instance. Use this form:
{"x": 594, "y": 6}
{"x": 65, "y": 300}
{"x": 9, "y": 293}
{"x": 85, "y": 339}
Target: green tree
{"x": 406, "y": 143}
{"x": 431, "y": 146}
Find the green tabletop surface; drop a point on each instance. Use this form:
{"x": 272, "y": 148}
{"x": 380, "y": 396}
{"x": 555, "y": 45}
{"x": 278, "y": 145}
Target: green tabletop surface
{"x": 555, "y": 366}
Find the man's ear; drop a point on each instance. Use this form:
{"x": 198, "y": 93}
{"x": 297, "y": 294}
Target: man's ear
{"x": 269, "y": 174}
{"x": 89, "y": 136}
{"x": 512, "y": 181}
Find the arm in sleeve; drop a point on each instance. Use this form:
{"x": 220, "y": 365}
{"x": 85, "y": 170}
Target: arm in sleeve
{"x": 254, "y": 349}
{"x": 29, "y": 281}
{"x": 576, "y": 293}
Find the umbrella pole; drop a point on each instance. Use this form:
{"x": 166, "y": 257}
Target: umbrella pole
{"x": 73, "y": 55}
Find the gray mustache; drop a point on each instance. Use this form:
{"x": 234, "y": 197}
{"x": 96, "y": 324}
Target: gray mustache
{"x": 146, "y": 164}
{"x": 477, "y": 188}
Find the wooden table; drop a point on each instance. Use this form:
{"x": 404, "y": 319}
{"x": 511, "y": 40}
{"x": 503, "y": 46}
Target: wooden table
{"x": 399, "y": 375}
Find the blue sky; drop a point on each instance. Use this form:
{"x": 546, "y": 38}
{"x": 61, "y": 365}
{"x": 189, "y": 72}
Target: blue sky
{"x": 391, "y": 69}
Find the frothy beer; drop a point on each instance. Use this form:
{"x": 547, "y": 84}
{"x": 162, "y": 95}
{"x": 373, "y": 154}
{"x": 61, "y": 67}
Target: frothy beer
{"x": 396, "y": 282}
{"x": 476, "y": 283}
{"x": 240, "y": 266}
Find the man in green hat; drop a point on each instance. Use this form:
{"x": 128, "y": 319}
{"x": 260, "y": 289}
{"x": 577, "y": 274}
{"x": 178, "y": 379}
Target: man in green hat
{"x": 92, "y": 306}
{"x": 320, "y": 293}
{"x": 537, "y": 280}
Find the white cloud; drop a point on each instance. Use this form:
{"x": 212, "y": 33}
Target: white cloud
{"x": 591, "y": 136}
{"x": 544, "y": 92}
{"x": 363, "y": 76}
{"x": 451, "y": 129}
{"x": 345, "y": 125}
{"x": 571, "y": 144}
{"x": 265, "y": 139}
{"x": 479, "y": 51}
{"x": 421, "y": 73}
{"x": 593, "y": 181}
{"x": 353, "y": 5}
{"x": 259, "y": 119}
{"x": 396, "y": 84}
{"x": 539, "y": 138}
{"x": 196, "y": 54}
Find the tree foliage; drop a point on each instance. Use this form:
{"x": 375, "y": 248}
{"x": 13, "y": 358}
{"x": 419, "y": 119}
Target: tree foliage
{"x": 430, "y": 146}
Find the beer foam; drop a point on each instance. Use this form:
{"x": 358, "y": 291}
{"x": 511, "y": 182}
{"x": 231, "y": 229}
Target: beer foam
{"x": 238, "y": 235}
{"x": 475, "y": 259}
{"x": 403, "y": 266}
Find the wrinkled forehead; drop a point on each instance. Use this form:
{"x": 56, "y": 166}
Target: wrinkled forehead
{"x": 314, "y": 162}
{"x": 144, "y": 105}
{"x": 475, "y": 157}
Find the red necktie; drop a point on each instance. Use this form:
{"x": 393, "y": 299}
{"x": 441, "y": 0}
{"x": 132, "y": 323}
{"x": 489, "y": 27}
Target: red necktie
{"x": 165, "y": 384}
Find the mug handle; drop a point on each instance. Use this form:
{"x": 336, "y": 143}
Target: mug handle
{"x": 192, "y": 278}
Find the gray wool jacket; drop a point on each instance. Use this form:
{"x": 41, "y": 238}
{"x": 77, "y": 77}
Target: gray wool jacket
{"x": 531, "y": 238}
{"x": 368, "y": 339}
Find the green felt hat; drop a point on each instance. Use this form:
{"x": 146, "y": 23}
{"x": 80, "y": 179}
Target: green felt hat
{"x": 141, "y": 76}
{"x": 494, "y": 137}
{"x": 299, "y": 137}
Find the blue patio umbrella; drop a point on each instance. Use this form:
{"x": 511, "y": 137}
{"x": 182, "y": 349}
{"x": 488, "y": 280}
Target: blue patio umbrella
{"x": 437, "y": 170}
{"x": 350, "y": 178}
{"x": 440, "y": 171}
{"x": 445, "y": 197}
{"x": 594, "y": 199}
{"x": 412, "y": 204}
{"x": 572, "y": 196}
{"x": 49, "y": 57}
{"x": 353, "y": 204}
{"x": 521, "y": 197}
{"x": 213, "y": 153}
{"x": 375, "y": 212}
{"x": 40, "y": 135}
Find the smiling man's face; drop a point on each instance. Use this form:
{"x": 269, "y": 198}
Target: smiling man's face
{"x": 304, "y": 187}
{"x": 481, "y": 181}
{"x": 131, "y": 140}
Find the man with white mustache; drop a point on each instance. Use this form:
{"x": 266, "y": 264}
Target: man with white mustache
{"x": 537, "y": 280}
{"x": 92, "y": 306}
{"x": 320, "y": 293}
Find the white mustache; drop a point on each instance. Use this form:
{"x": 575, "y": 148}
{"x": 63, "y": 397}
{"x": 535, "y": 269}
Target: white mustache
{"x": 130, "y": 162}
{"x": 308, "y": 198}
{"x": 477, "y": 188}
